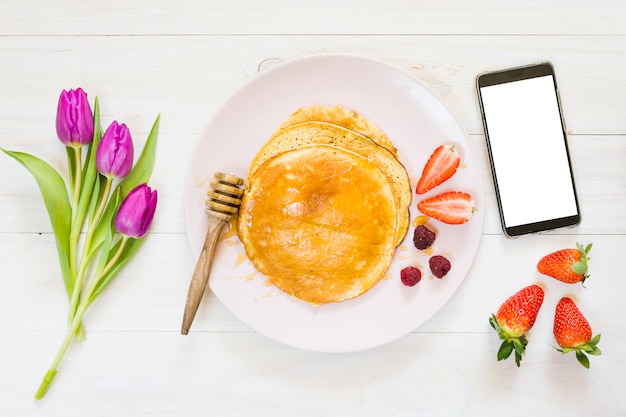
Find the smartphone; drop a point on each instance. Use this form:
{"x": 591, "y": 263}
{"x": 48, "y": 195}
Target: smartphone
{"x": 528, "y": 152}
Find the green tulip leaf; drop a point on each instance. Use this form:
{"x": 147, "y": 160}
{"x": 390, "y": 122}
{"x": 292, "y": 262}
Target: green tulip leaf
{"x": 104, "y": 233}
{"x": 71, "y": 165}
{"x": 91, "y": 246}
{"x": 90, "y": 172}
{"x": 54, "y": 192}
{"x": 105, "y": 226}
{"x": 129, "y": 249}
{"x": 142, "y": 171}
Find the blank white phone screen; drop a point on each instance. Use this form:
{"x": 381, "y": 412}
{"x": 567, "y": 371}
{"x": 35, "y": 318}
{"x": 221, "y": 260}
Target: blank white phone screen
{"x": 528, "y": 151}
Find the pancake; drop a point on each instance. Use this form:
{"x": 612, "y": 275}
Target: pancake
{"x": 344, "y": 117}
{"x": 313, "y": 133}
{"x": 319, "y": 222}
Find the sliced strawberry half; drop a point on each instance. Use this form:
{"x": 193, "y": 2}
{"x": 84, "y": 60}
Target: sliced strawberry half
{"x": 451, "y": 207}
{"x": 441, "y": 165}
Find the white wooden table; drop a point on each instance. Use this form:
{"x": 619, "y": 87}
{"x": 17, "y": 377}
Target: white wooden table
{"x": 183, "y": 60}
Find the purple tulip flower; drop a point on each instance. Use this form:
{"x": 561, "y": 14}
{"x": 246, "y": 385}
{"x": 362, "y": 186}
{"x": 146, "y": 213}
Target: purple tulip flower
{"x": 114, "y": 156}
{"x": 135, "y": 215}
{"x": 74, "y": 118}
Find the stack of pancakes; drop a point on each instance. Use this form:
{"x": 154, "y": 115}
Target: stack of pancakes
{"x": 326, "y": 204}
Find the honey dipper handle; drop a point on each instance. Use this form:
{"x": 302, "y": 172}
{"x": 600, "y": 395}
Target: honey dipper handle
{"x": 200, "y": 276}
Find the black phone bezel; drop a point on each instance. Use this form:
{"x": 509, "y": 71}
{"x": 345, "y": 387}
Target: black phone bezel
{"x": 517, "y": 74}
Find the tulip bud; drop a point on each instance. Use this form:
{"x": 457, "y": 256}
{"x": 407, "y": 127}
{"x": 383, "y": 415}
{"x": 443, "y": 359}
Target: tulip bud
{"x": 114, "y": 156}
{"x": 74, "y": 118}
{"x": 135, "y": 214}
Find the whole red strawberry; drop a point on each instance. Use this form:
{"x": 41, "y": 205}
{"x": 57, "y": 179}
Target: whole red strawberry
{"x": 566, "y": 265}
{"x": 515, "y": 317}
{"x": 573, "y": 332}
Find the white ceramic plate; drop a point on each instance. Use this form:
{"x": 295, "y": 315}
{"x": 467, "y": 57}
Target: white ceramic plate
{"x": 417, "y": 122}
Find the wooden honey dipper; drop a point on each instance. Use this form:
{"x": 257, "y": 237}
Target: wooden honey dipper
{"x": 224, "y": 199}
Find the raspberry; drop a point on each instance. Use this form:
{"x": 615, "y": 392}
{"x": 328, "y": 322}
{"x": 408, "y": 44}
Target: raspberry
{"x": 439, "y": 266}
{"x": 423, "y": 237}
{"x": 410, "y": 276}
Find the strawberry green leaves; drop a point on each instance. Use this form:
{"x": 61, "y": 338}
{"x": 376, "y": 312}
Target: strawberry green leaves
{"x": 568, "y": 265}
{"x": 509, "y": 343}
{"x": 581, "y": 267}
{"x": 589, "y": 348}
{"x": 573, "y": 333}
{"x": 515, "y": 317}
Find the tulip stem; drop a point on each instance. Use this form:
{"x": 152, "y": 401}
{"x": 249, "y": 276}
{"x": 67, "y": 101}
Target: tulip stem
{"x": 85, "y": 259}
{"x": 76, "y": 321}
{"x": 115, "y": 257}
{"x": 75, "y": 228}
{"x": 71, "y": 332}
{"x": 103, "y": 201}
{"x": 79, "y": 173}
{"x": 74, "y": 326}
{"x": 77, "y": 289}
